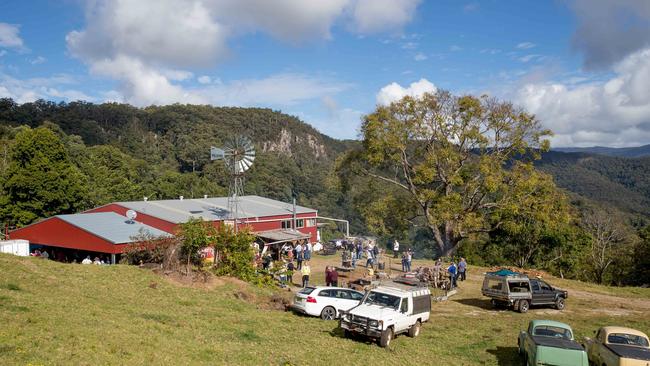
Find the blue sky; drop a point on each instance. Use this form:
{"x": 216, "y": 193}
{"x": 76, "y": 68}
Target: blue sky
{"x": 582, "y": 66}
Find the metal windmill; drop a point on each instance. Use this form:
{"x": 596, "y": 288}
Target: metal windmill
{"x": 238, "y": 155}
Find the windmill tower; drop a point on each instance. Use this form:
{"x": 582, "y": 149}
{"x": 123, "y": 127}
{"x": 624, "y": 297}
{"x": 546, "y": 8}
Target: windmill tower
{"x": 238, "y": 155}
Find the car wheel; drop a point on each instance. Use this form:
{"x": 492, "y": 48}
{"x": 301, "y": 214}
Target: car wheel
{"x": 559, "y": 303}
{"x": 523, "y": 306}
{"x": 347, "y": 333}
{"x": 328, "y": 313}
{"x": 386, "y": 337}
{"x": 414, "y": 330}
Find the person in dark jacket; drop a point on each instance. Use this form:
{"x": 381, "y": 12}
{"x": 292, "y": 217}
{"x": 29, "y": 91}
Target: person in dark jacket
{"x": 334, "y": 277}
{"x": 328, "y": 277}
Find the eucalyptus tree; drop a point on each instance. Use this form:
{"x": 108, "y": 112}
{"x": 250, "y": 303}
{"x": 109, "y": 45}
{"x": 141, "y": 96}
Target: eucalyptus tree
{"x": 462, "y": 165}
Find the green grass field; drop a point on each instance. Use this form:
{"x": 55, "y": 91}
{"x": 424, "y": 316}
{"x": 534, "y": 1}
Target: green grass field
{"x": 62, "y": 314}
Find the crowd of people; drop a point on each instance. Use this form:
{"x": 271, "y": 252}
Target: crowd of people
{"x": 455, "y": 272}
{"x": 292, "y": 258}
{"x": 60, "y": 255}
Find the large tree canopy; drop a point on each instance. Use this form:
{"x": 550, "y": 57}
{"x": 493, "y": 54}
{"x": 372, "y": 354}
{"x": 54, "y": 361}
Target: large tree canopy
{"x": 463, "y": 165}
{"x": 41, "y": 179}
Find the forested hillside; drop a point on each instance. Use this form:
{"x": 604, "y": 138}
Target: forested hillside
{"x": 126, "y": 153}
{"x": 67, "y": 157}
{"x": 627, "y": 152}
{"x": 623, "y": 183}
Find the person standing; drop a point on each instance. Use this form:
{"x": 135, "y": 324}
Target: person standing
{"x": 452, "y": 274}
{"x": 395, "y": 249}
{"x": 334, "y": 277}
{"x": 375, "y": 254}
{"x": 306, "y": 271}
{"x": 290, "y": 268}
{"x": 299, "y": 255}
{"x": 409, "y": 258}
{"x": 328, "y": 279}
{"x": 369, "y": 261}
{"x": 308, "y": 249}
{"x": 404, "y": 262}
{"x": 462, "y": 269}
{"x": 437, "y": 267}
{"x": 359, "y": 250}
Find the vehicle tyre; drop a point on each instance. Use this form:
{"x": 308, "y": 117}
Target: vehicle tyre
{"x": 559, "y": 303}
{"x": 414, "y": 330}
{"x": 347, "y": 333}
{"x": 328, "y": 313}
{"x": 386, "y": 337}
{"x": 523, "y": 306}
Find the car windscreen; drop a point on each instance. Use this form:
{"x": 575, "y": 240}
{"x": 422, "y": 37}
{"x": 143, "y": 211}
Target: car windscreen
{"x": 551, "y": 331}
{"x": 630, "y": 339}
{"x": 378, "y": 298}
{"x": 307, "y": 290}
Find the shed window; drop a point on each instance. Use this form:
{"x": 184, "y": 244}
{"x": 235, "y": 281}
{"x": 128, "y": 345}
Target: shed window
{"x": 300, "y": 223}
{"x": 286, "y": 224}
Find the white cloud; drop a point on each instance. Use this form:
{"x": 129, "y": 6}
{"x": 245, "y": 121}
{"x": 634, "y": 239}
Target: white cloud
{"x": 2, "y": 53}
{"x": 528, "y": 58}
{"x": 613, "y": 112}
{"x": 455, "y": 48}
{"x": 468, "y": 8}
{"x": 410, "y": 45}
{"x": 148, "y": 46}
{"x": 371, "y": 16}
{"x": 394, "y": 92}
{"x": 204, "y": 79}
{"x": 29, "y": 90}
{"x": 525, "y": 45}
{"x": 38, "y": 60}
{"x": 9, "y": 36}
{"x": 491, "y": 51}
{"x": 420, "y": 56}
{"x": 281, "y": 89}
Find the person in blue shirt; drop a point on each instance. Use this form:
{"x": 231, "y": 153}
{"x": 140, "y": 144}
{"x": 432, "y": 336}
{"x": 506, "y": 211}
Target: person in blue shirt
{"x": 452, "y": 274}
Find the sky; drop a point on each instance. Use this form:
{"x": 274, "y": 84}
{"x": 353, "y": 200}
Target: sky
{"x": 581, "y": 66}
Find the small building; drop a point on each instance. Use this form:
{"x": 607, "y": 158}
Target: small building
{"x": 87, "y": 233}
{"x": 107, "y": 230}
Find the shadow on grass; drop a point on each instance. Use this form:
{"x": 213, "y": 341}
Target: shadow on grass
{"x": 506, "y": 355}
{"x": 339, "y": 333}
{"x": 479, "y": 303}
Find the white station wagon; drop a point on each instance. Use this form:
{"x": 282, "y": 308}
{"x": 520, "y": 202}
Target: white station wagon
{"x": 326, "y": 302}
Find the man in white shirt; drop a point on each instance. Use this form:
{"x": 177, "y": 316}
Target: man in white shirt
{"x": 87, "y": 260}
{"x": 395, "y": 248}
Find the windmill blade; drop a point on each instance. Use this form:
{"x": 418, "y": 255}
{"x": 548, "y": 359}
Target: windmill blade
{"x": 216, "y": 153}
{"x": 246, "y": 164}
{"x": 240, "y": 167}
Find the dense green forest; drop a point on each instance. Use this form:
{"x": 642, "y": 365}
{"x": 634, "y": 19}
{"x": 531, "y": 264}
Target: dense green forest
{"x": 66, "y": 157}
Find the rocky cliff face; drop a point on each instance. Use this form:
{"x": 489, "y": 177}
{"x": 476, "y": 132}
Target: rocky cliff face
{"x": 287, "y": 143}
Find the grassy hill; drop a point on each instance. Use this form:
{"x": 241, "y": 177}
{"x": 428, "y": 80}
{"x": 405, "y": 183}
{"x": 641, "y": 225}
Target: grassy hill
{"x": 54, "y": 313}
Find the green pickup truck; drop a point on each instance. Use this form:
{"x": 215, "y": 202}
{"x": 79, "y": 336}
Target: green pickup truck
{"x": 548, "y": 342}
